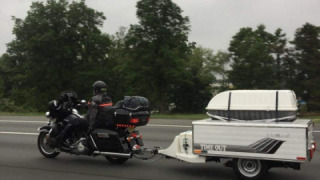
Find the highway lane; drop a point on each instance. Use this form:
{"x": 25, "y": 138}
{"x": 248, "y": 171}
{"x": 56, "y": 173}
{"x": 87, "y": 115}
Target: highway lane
{"x": 20, "y": 158}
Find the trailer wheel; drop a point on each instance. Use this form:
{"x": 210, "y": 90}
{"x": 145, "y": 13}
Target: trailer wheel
{"x": 250, "y": 169}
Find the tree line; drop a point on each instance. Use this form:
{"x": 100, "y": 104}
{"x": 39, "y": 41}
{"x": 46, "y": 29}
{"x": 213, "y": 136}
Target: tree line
{"x": 59, "y": 47}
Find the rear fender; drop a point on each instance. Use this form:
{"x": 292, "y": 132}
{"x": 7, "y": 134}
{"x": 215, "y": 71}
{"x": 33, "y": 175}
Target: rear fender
{"x": 45, "y": 129}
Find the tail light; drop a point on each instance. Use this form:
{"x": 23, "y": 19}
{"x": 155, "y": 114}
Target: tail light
{"x": 136, "y": 147}
{"x": 134, "y": 135}
{"x": 125, "y": 126}
{"x": 148, "y": 119}
{"x": 301, "y": 158}
{"x": 134, "y": 120}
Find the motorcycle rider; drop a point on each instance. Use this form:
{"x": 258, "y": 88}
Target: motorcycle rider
{"x": 100, "y": 107}
{"x": 98, "y": 115}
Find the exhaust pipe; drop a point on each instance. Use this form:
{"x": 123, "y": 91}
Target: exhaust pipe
{"x": 120, "y": 155}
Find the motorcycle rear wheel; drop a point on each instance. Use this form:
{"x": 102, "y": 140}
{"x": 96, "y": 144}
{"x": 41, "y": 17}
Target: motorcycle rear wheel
{"x": 116, "y": 160}
{"x": 44, "y": 148}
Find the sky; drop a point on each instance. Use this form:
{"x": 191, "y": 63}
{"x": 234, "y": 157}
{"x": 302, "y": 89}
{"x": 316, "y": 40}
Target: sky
{"x": 213, "y": 22}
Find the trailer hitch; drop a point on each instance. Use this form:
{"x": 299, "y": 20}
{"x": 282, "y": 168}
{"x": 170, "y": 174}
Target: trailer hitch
{"x": 148, "y": 154}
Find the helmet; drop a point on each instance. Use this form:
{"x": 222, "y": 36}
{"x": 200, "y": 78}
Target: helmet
{"x": 99, "y": 87}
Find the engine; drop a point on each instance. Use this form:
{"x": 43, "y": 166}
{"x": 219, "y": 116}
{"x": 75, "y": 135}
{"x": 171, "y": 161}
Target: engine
{"x": 80, "y": 147}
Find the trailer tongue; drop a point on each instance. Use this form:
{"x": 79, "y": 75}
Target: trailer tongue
{"x": 251, "y": 146}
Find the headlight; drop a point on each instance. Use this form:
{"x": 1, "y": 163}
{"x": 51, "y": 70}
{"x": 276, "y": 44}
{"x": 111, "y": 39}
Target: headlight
{"x": 74, "y": 111}
{"x": 48, "y": 114}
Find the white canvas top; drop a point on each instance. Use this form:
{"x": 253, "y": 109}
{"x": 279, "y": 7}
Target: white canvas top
{"x": 254, "y": 100}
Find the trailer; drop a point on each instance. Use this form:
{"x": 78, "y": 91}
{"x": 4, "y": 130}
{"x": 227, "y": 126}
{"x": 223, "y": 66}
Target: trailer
{"x": 251, "y": 147}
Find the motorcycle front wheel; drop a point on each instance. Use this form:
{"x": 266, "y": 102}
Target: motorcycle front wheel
{"x": 44, "y": 148}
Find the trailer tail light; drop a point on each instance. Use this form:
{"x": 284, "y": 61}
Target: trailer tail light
{"x": 301, "y": 158}
{"x": 197, "y": 151}
{"x": 134, "y": 120}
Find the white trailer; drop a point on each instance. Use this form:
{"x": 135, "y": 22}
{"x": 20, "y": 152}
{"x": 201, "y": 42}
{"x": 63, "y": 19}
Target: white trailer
{"x": 250, "y": 147}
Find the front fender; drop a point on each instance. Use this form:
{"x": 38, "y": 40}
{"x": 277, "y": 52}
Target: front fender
{"x": 44, "y": 128}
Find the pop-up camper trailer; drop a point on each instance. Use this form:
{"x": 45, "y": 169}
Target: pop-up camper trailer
{"x": 250, "y": 130}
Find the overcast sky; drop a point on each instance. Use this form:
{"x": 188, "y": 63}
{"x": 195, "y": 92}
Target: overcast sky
{"x": 213, "y": 22}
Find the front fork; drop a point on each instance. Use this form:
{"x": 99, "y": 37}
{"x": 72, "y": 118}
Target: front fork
{"x": 49, "y": 129}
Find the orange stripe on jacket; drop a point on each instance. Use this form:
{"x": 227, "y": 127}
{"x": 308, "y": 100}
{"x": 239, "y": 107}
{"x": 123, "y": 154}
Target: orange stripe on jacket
{"x": 102, "y": 105}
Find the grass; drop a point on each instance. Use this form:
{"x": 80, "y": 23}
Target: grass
{"x": 180, "y": 116}
{"x": 156, "y": 116}
{"x": 315, "y": 118}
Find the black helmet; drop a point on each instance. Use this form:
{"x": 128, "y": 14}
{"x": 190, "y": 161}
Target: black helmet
{"x": 99, "y": 87}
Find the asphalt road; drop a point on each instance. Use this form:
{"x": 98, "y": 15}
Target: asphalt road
{"x": 20, "y": 158}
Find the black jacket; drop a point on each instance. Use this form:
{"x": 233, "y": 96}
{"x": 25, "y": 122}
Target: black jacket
{"x": 100, "y": 111}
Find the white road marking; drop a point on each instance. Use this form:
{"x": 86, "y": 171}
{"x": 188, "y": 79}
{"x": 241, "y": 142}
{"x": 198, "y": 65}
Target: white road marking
{"x": 38, "y": 122}
{"x": 36, "y": 134}
{"x": 151, "y": 125}
{"x": 18, "y": 121}
{"x": 20, "y": 133}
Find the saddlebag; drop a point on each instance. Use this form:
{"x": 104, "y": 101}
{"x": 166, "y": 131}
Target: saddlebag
{"x": 110, "y": 141}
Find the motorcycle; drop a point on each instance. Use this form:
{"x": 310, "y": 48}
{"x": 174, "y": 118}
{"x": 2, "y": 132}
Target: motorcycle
{"x": 117, "y": 143}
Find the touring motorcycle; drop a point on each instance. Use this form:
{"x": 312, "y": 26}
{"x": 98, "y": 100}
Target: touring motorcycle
{"x": 117, "y": 143}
